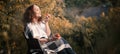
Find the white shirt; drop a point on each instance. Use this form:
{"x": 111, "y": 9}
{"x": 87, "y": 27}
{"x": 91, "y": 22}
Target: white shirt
{"x": 37, "y": 30}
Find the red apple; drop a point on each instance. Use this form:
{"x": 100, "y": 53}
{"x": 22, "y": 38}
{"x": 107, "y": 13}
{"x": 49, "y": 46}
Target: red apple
{"x": 57, "y": 35}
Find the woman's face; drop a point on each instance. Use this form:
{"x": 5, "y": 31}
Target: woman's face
{"x": 36, "y": 10}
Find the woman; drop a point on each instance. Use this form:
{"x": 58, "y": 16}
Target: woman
{"x": 40, "y": 30}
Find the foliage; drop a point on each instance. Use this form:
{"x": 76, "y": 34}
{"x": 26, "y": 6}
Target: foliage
{"x": 85, "y": 35}
{"x": 82, "y": 3}
{"x": 11, "y": 27}
{"x": 12, "y": 40}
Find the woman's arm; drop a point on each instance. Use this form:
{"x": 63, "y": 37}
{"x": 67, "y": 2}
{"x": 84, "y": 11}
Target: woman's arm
{"x": 47, "y": 30}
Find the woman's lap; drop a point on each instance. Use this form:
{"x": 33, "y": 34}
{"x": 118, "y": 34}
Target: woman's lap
{"x": 60, "y": 46}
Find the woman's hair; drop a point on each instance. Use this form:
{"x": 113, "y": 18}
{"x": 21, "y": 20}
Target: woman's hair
{"x": 29, "y": 14}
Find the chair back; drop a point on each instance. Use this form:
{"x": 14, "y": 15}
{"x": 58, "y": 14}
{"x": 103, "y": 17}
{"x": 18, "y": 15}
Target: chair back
{"x": 34, "y": 45}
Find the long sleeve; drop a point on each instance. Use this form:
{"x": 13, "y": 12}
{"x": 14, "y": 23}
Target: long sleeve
{"x": 47, "y": 30}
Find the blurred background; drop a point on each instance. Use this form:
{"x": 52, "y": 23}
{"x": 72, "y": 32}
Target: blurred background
{"x": 90, "y": 26}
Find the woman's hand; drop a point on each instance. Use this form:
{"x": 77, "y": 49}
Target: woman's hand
{"x": 43, "y": 40}
{"x": 47, "y": 17}
{"x": 57, "y": 36}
